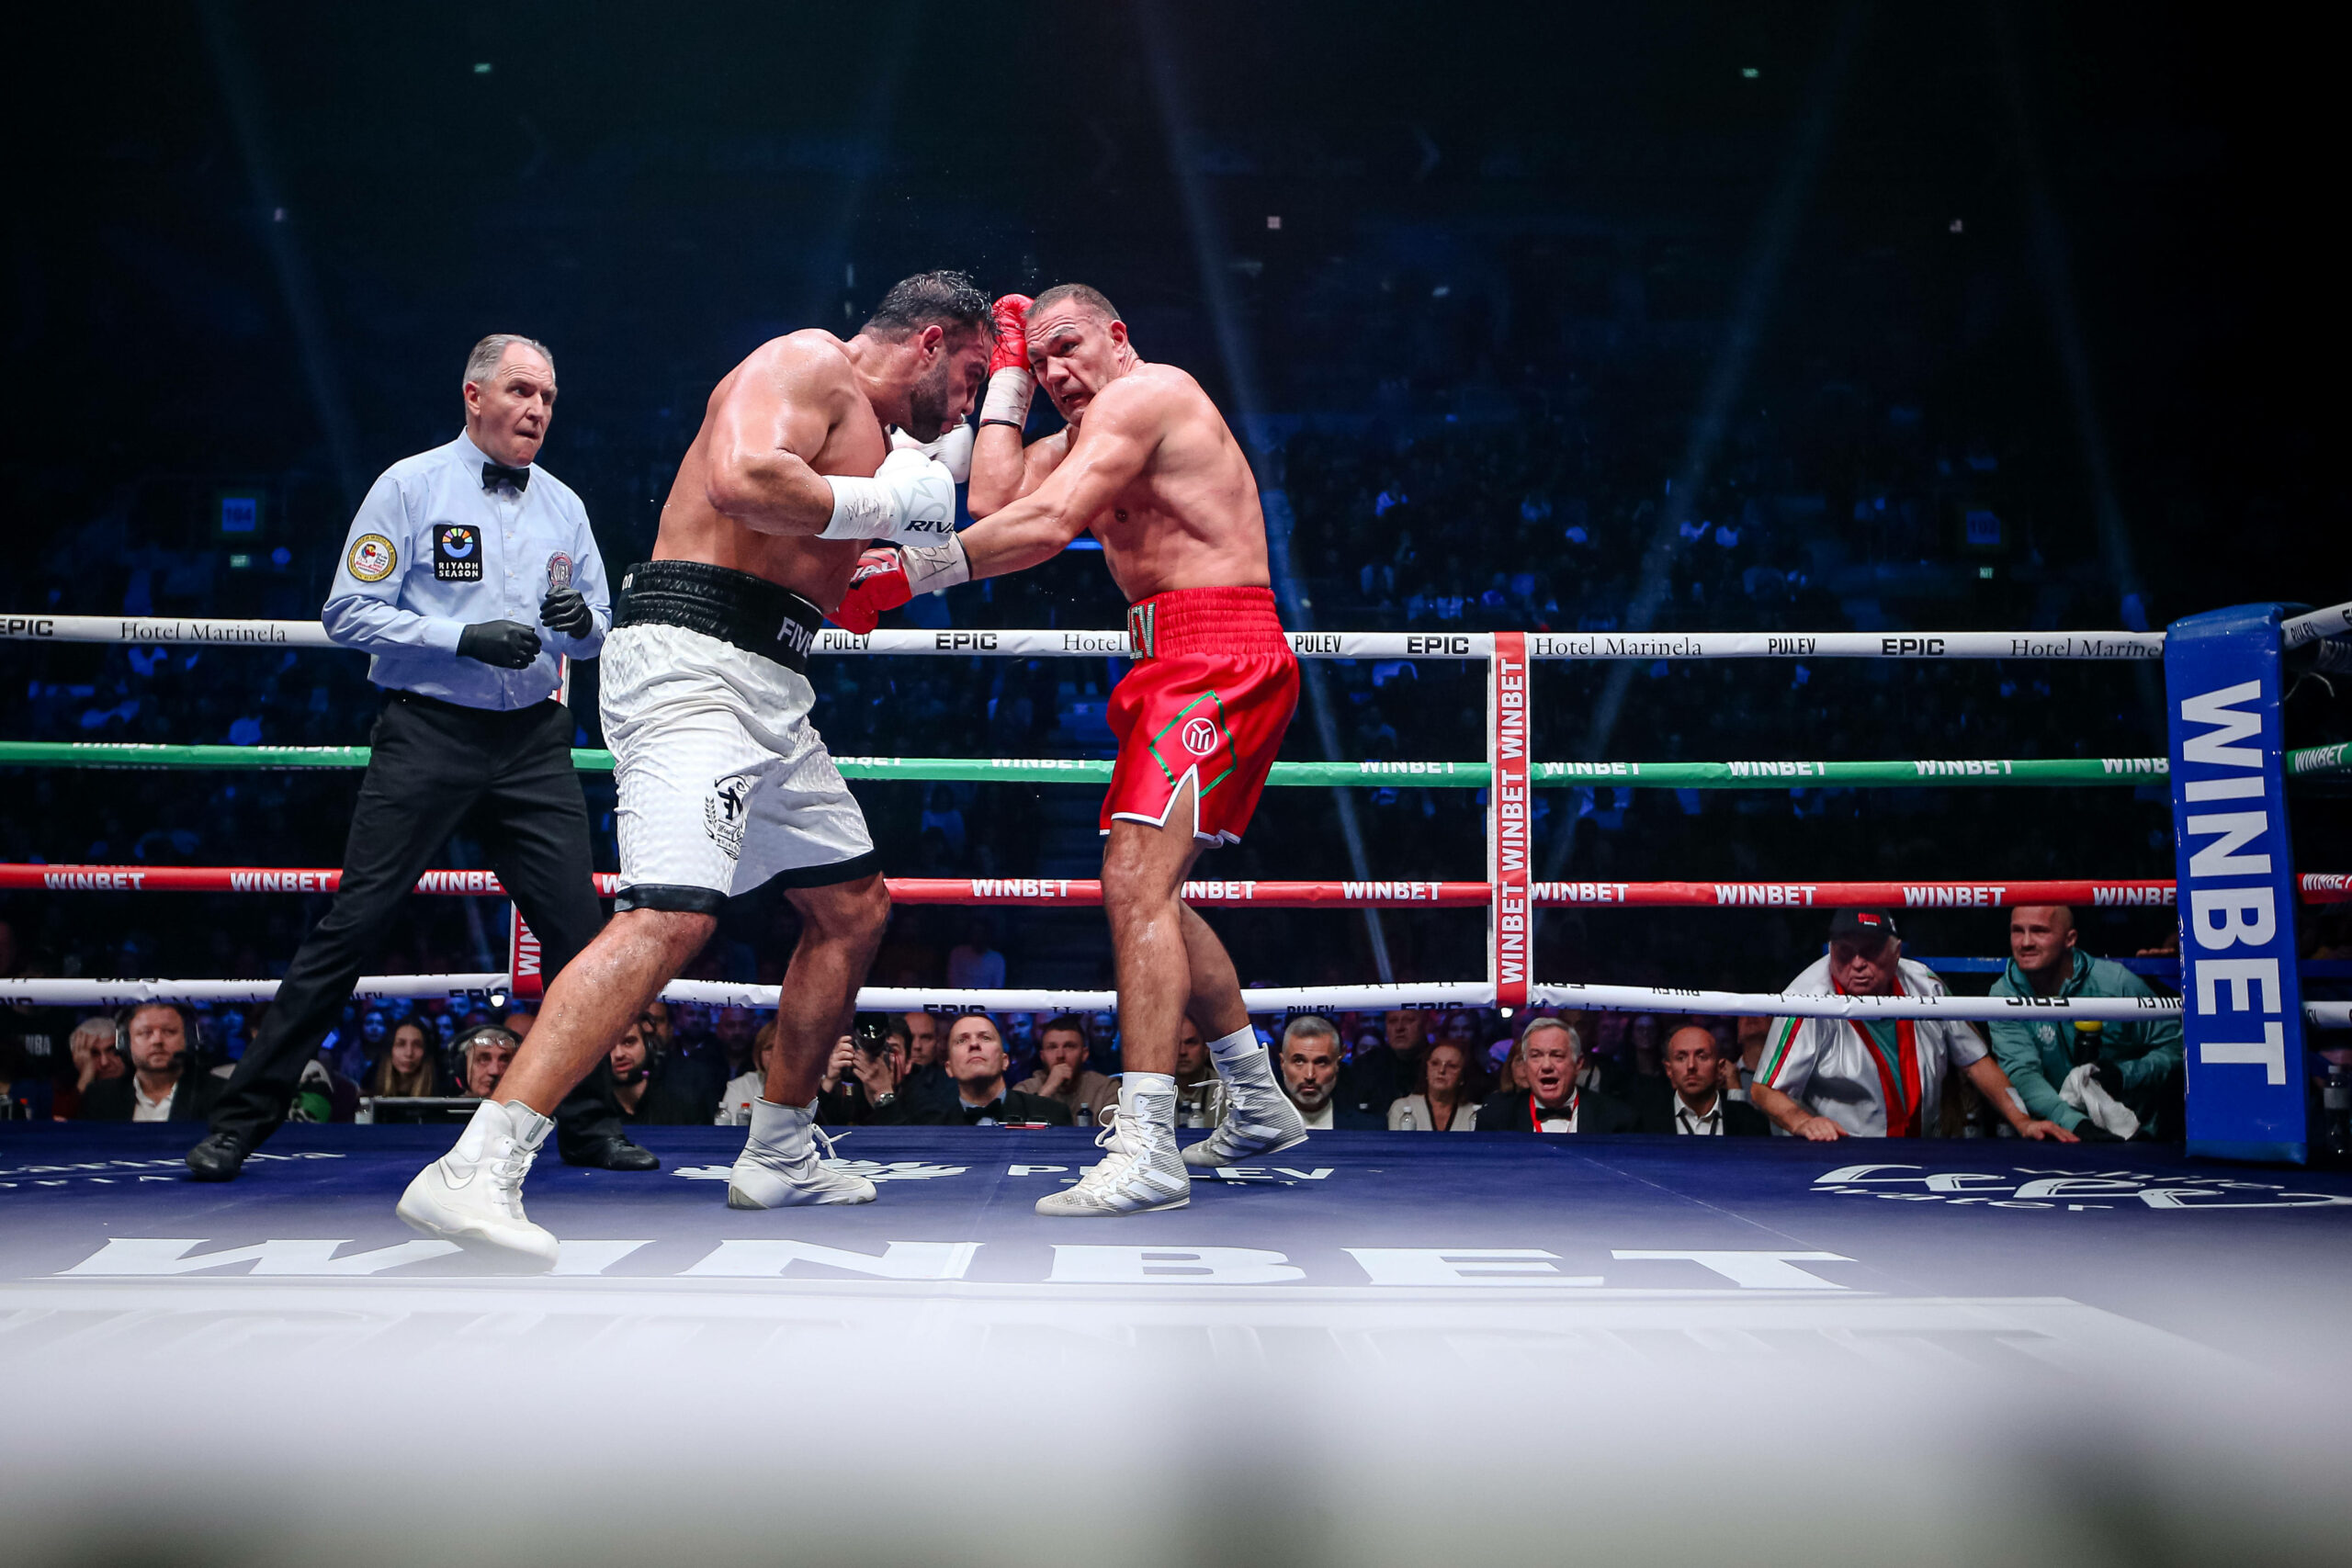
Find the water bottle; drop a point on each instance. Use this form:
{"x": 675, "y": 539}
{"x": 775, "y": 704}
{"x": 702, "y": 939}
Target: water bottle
{"x": 2336, "y": 1104}
{"x": 1411, "y": 1125}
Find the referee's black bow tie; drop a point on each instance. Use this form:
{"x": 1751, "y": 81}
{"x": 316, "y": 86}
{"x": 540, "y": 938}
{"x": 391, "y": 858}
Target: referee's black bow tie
{"x": 496, "y": 474}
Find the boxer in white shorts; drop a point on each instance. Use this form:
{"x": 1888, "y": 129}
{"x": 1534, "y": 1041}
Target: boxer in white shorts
{"x": 724, "y": 786}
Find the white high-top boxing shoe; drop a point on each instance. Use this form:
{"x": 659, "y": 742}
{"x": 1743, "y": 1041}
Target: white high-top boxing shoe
{"x": 1259, "y": 1117}
{"x": 1140, "y": 1170}
{"x": 473, "y": 1194}
{"x": 780, "y": 1168}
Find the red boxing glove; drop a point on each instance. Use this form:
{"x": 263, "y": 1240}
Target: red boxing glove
{"x": 880, "y": 583}
{"x": 1012, "y": 314}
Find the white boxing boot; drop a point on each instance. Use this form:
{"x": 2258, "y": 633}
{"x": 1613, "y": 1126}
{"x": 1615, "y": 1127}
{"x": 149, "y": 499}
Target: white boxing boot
{"x": 1140, "y": 1170}
{"x": 473, "y": 1194}
{"x": 1259, "y": 1117}
{"x": 779, "y": 1167}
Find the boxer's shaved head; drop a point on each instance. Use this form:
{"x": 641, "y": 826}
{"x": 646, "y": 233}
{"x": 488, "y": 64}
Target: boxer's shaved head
{"x": 948, "y": 300}
{"x": 1078, "y": 345}
{"x": 1093, "y": 299}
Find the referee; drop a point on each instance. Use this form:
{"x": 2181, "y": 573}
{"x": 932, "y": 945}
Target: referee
{"x": 466, "y": 571}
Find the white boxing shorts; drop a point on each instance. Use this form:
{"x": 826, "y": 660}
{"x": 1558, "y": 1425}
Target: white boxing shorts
{"x": 724, "y": 784}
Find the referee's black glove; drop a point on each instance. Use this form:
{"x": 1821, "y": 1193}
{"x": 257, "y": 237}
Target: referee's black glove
{"x": 565, "y": 611}
{"x": 509, "y": 645}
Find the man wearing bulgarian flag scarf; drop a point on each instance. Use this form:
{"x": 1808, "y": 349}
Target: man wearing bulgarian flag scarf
{"x": 1825, "y": 1078}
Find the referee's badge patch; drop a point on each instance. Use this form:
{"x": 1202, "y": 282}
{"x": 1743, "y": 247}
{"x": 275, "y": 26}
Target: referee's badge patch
{"x": 372, "y": 557}
{"x": 723, "y": 813}
{"x": 457, "y": 553}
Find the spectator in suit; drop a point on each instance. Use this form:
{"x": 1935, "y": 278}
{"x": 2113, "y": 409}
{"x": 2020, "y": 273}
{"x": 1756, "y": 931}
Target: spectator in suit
{"x": 405, "y": 1069}
{"x": 1391, "y": 1068}
{"x": 1551, "y": 1054}
{"x": 1696, "y": 1100}
{"x": 1445, "y": 1100}
{"x": 649, "y": 1096}
{"x": 976, "y": 1064}
{"x": 1316, "y": 1081}
{"x": 923, "y": 1082}
{"x": 158, "y": 1040}
{"x": 1062, "y": 1072}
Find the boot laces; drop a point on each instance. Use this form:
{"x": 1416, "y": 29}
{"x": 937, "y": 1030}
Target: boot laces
{"x": 508, "y": 1167}
{"x": 1119, "y": 1154}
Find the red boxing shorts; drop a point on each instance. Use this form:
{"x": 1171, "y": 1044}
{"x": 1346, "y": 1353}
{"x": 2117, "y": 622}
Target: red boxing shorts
{"x": 1211, "y": 693}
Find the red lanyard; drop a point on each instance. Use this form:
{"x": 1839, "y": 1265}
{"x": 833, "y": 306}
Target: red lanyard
{"x": 1535, "y": 1112}
{"x": 1906, "y": 1047}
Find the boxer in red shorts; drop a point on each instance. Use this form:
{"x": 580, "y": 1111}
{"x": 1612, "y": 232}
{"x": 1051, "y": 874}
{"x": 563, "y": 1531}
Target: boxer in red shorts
{"x": 1146, "y": 463}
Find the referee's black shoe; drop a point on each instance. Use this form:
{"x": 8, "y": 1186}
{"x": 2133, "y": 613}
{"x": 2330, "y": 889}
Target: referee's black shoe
{"x": 218, "y": 1158}
{"x": 602, "y": 1150}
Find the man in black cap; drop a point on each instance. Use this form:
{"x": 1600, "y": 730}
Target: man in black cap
{"x": 1825, "y": 1078}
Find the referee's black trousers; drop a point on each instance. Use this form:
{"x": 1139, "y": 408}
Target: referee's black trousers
{"x": 431, "y": 765}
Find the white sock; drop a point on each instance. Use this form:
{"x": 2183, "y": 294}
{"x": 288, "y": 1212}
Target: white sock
{"x": 1240, "y": 1043}
{"x": 1150, "y": 1100}
{"x": 1241, "y": 1061}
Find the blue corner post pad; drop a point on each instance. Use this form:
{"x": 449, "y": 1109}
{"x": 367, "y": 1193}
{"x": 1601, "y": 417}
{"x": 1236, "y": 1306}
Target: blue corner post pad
{"x": 2242, "y": 1018}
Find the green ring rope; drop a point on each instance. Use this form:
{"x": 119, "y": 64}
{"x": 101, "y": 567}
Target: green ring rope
{"x": 2073, "y": 771}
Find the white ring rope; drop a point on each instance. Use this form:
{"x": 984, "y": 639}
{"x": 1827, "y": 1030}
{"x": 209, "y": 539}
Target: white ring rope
{"x": 1267, "y": 1000}
{"x": 1037, "y": 644}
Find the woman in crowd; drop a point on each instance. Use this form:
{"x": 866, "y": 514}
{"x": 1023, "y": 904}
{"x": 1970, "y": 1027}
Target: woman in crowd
{"x": 1445, "y": 1100}
{"x": 405, "y": 1069}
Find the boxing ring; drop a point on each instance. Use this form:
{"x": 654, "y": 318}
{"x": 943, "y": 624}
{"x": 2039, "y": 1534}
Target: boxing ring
{"x": 1585, "y": 1311}
{"x": 1506, "y": 776}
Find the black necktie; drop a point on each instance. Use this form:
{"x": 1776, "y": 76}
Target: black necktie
{"x": 496, "y": 474}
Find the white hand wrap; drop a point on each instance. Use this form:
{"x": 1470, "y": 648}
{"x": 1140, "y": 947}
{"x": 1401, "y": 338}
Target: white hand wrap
{"x": 930, "y": 567}
{"x": 911, "y": 498}
{"x": 1010, "y": 390}
{"x": 952, "y": 449}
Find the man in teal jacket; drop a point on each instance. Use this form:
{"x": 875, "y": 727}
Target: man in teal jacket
{"x": 2138, "y": 1063}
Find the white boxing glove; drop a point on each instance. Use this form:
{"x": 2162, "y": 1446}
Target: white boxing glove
{"x": 952, "y": 449}
{"x": 910, "y": 499}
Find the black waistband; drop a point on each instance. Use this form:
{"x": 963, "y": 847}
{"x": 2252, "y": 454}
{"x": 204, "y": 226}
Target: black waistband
{"x": 753, "y": 614}
{"x": 407, "y": 698}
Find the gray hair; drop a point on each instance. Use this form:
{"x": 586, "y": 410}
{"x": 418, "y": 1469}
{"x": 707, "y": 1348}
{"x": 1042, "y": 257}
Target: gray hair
{"x": 483, "y": 363}
{"x": 1314, "y": 1025}
{"x": 1547, "y": 1021}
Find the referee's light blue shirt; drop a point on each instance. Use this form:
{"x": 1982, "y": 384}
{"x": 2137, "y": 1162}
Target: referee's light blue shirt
{"x": 431, "y": 553}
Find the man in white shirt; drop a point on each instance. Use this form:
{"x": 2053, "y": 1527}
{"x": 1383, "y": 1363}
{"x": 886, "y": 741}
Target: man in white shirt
{"x": 1551, "y": 1055}
{"x": 1697, "y": 1100}
{"x": 468, "y": 574}
{"x": 1825, "y": 1078}
{"x": 155, "y": 1039}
